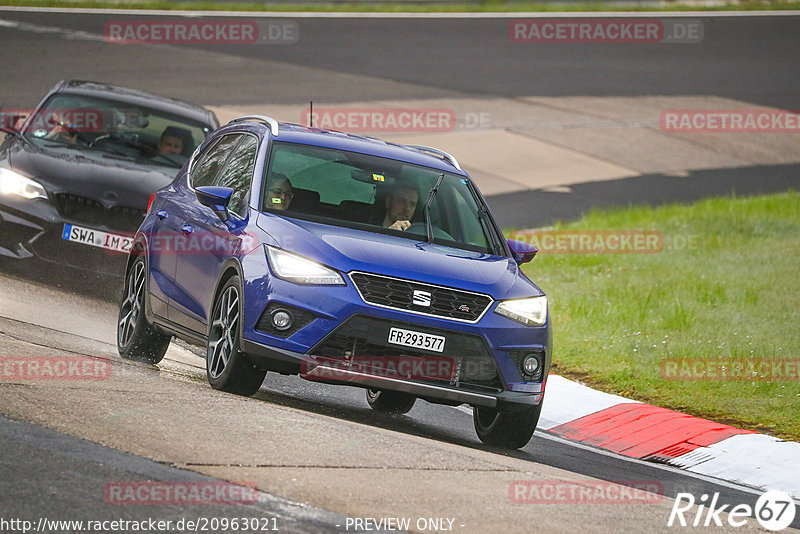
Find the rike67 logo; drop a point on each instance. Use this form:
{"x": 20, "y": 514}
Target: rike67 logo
{"x": 774, "y": 510}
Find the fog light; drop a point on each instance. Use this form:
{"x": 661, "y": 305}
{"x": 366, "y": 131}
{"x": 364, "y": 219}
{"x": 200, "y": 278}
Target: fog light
{"x": 282, "y": 319}
{"x": 531, "y": 365}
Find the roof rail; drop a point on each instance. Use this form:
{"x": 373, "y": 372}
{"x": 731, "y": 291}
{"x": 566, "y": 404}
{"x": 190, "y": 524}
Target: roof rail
{"x": 273, "y": 124}
{"x": 438, "y": 152}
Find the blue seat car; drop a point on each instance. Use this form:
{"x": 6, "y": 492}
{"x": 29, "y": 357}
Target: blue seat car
{"x": 347, "y": 260}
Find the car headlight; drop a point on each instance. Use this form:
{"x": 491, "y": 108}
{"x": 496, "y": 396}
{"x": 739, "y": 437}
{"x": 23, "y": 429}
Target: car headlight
{"x": 12, "y": 183}
{"x": 300, "y": 270}
{"x": 530, "y": 311}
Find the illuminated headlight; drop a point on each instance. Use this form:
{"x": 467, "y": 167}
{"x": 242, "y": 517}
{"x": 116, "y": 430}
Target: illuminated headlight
{"x": 12, "y": 183}
{"x": 530, "y": 311}
{"x": 300, "y": 270}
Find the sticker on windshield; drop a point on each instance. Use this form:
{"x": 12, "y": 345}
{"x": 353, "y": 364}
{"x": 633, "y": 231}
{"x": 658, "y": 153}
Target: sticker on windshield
{"x": 378, "y": 178}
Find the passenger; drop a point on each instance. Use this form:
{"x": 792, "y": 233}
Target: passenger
{"x": 279, "y": 192}
{"x": 171, "y": 142}
{"x": 401, "y": 204}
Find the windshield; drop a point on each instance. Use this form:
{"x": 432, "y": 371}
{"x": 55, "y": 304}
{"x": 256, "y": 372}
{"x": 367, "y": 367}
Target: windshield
{"x": 377, "y": 194}
{"x": 114, "y": 128}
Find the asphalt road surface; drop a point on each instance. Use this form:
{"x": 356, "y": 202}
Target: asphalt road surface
{"x": 753, "y": 59}
{"x": 161, "y": 412}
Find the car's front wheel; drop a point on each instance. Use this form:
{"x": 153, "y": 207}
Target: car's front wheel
{"x": 391, "y": 402}
{"x": 136, "y": 339}
{"x": 227, "y": 368}
{"x": 510, "y": 430}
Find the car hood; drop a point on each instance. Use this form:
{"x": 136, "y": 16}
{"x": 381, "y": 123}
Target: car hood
{"x": 351, "y": 250}
{"x": 110, "y": 180}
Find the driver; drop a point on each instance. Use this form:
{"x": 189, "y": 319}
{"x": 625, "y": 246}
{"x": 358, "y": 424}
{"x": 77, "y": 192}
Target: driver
{"x": 400, "y": 207}
{"x": 61, "y": 130}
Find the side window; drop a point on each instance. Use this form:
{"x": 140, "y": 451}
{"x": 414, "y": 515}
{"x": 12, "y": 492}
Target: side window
{"x": 209, "y": 164}
{"x": 238, "y": 173}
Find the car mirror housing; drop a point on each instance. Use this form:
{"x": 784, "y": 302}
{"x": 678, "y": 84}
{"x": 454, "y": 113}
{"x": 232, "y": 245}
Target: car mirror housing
{"x": 216, "y": 198}
{"x": 8, "y": 129}
{"x": 11, "y": 120}
{"x": 523, "y": 252}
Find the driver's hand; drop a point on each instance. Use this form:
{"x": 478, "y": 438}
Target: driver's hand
{"x": 400, "y": 225}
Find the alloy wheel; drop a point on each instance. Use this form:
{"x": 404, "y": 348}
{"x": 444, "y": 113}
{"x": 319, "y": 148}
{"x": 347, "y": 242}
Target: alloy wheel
{"x": 224, "y": 331}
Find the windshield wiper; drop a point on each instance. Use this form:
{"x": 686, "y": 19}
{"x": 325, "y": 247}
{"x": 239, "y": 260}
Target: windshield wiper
{"x": 171, "y": 162}
{"x": 58, "y": 144}
{"x": 431, "y": 195}
{"x": 114, "y": 151}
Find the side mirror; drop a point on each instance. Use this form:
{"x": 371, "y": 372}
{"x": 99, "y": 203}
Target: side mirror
{"x": 8, "y": 128}
{"x": 216, "y": 198}
{"x": 523, "y": 252}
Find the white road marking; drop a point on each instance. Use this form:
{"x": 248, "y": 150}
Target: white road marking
{"x": 77, "y": 35}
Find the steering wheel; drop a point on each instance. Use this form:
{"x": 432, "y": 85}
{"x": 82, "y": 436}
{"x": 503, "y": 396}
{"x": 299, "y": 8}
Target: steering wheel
{"x": 101, "y": 139}
{"x": 421, "y": 228}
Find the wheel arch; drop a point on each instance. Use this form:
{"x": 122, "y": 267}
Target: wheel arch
{"x": 138, "y": 248}
{"x": 232, "y": 267}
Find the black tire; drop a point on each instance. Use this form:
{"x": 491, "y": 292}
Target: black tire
{"x": 510, "y": 430}
{"x": 391, "y": 402}
{"x": 136, "y": 339}
{"x": 227, "y": 368}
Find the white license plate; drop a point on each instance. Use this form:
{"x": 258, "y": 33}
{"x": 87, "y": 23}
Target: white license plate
{"x": 97, "y": 238}
{"x": 409, "y": 338}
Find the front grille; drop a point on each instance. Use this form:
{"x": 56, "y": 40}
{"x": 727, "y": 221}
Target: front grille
{"x": 361, "y": 344}
{"x": 92, "y": 212}
{"x": 399, "y": 294}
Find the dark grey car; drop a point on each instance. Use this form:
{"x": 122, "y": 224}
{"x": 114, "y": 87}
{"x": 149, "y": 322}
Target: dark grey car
{"x": 76, "y": 176}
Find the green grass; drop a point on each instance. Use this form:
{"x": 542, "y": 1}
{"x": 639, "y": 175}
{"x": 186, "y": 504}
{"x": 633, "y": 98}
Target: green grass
{"x": 735, "y": 293}
{"x": 423, "y": 6}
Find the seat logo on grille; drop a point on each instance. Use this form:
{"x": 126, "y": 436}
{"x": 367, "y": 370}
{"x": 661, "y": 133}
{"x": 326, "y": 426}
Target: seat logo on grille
{"x": 421, "y": 298}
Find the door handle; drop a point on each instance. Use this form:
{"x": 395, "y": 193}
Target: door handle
{"x": 187, "y": 229}
{"x": 161, "y": 214}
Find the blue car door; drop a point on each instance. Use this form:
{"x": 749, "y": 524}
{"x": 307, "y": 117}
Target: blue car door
{"x": 212, "y": 240}
{"x": 161, "y": 248}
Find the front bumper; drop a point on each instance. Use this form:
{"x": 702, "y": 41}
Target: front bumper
{"x": 34, "y": 228}
{"x": 342, "y": 337}
{"x": 311, "y": 369}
